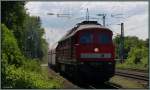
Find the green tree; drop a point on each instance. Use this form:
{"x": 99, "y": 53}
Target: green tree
{"x": 11, "y": 54}
{"x": 138, "y": 56}
{"x": 13, "y": 16}
{"x": 116, "y": 41}
{"x": 13, "y": 13}
{"x": 10, "y": 47}
{"x": 35, "y": 45}
{"x": 135, "y": 52}
{"x": 129, "y": 43}
{"x": 26, "y": 29}
{"x": 21, "y": 32}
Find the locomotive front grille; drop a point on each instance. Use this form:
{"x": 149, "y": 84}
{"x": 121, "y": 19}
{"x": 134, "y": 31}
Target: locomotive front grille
{"x": 95, "y": 55}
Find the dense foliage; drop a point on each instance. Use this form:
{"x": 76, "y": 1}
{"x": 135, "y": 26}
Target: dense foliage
{"x": 10, "y": 47}
{"x": 11, "y": 54}
{"x": 26, "y": 29}
{"x": 34, "y": 44}
{"x": 13, "y": 14}
{"x": 21, "y": 78}
{"x": 18, "y": 71}
{"x": 23, "y": 48}
{"x": 135, "y": 53}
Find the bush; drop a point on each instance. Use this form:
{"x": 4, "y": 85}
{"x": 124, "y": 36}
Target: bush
{"x": 10, "y": 49}
{"x": 136, "y": 55}
{"x": 20, "y": 78}
{"x": 18, "y": 71}
{"x": 32, "y": 65}
{"x": 137, "y": 59}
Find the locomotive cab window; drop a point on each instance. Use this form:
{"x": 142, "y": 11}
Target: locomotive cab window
{"x": 104, "y": 38}
{"x": 86, "y": 38}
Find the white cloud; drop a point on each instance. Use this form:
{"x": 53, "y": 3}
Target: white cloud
{"x": 53, "y": 35}
{"x": 39, "y": 7}
{"x": 135, "y": 25}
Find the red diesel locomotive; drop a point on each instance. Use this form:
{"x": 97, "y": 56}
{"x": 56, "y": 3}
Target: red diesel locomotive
{"x": 86, "y": 51}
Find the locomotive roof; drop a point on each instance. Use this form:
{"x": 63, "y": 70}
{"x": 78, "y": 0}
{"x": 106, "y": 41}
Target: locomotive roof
{"x": 81, "y": 26}
{"x": 53, "y": 47}
{"x": 88, "y": 22}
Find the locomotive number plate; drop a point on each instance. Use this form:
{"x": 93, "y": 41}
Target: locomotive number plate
{"x": 95, "y": 55}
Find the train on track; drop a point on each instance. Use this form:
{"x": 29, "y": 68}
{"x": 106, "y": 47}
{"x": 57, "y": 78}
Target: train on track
{"x": 86, "y": 51}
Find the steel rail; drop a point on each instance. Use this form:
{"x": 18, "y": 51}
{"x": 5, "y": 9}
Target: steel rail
{"x": 135, "y": 76}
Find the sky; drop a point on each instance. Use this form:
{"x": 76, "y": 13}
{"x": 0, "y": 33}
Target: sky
{"x": 134, "y": 15}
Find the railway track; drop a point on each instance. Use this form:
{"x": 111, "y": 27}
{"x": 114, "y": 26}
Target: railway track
{"x": 106, "y": 85}
{"x": 133, "y": 74}
{"x": 86, "y": 85}
{"x": 99, "y": 86}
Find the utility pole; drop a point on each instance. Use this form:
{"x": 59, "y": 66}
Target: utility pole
{"x": 122, "y": 42}
{"x": 104, "y": 17}
{"x": 87, "y": 15}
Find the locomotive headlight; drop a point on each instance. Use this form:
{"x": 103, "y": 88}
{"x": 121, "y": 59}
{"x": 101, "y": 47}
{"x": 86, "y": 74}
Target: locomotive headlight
{"x": 96, "y": 49}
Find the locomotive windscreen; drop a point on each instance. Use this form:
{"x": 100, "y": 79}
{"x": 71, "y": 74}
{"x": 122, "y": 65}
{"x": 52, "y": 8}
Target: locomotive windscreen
{"x": 86, "y": 38}
{"x": 104, "y": 38}
{"x": 101, "y": 38}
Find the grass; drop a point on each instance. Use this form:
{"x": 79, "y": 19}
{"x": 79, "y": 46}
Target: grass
{"x": 54, "y": 80}
{"x": 126, "y": 83}
{"x": 137, "y": 67}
